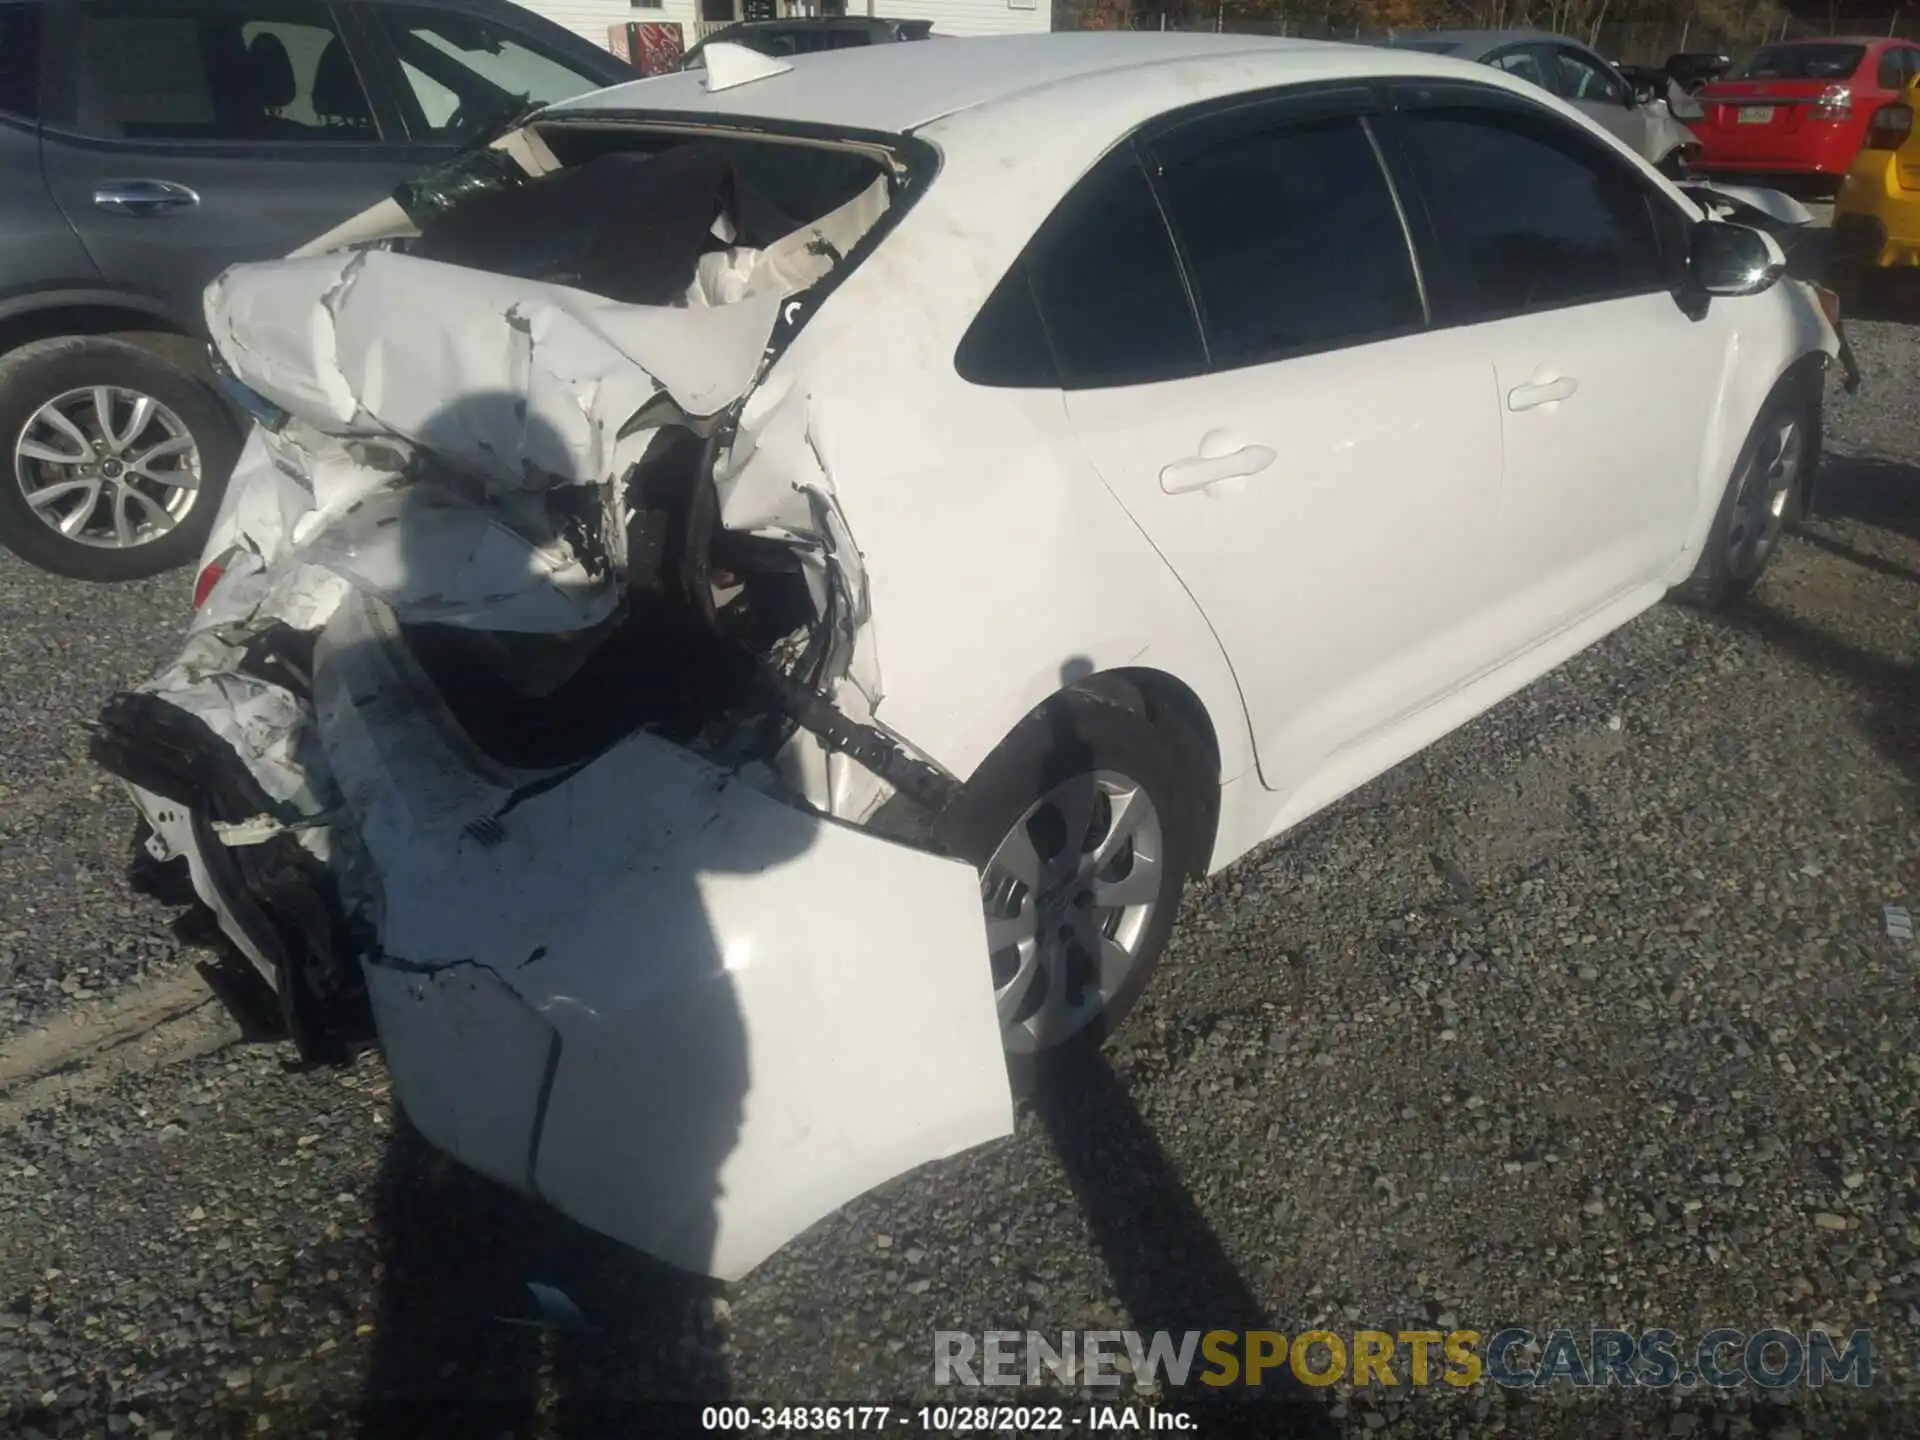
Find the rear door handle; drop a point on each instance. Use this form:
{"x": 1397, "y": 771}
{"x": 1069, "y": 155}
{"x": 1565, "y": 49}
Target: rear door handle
{"x": 1220, "y": 458}
{"x": 1530, "y": 397}
{"x": 142, "y": 197}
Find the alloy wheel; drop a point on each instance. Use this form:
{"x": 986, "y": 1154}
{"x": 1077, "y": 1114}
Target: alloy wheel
{"x": 1760, "y": 507}
{"x": 1070, "y": 893}
{"x": 107, "y": 466}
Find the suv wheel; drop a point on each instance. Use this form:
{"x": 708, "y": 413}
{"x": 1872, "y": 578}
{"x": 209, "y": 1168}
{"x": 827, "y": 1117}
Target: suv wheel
{"x": 115, "y": 458}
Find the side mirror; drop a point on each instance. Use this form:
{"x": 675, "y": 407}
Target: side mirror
{"x": 1727, "y": 259}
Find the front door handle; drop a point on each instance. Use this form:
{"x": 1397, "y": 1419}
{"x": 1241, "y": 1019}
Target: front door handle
{"x": 143, "y": 197}
{"x": 1221, "y": 457}
{"x": 1531, "y": 397}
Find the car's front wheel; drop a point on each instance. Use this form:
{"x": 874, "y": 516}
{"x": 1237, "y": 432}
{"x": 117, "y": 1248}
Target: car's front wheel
{"x": 115, "y": 457}
{"x": 1084, "y": 826}
{"x": 1762, "y": 497}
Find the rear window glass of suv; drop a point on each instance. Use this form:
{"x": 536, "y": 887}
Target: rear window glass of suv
{"x": 1801, "y": 62}
{"x": 20, "y": 60}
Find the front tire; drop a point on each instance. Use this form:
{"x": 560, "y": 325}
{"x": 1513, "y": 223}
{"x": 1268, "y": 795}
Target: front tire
{"x": 1084, "y": 826}
{"x": 115, "y": 458}
{"x": 1763, "y": 496}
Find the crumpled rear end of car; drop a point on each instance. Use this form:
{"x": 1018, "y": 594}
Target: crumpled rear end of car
{"x": 531, "y": 699}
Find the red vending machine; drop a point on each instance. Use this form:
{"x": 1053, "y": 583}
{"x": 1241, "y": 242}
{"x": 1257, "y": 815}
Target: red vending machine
{"x": 653, "y": 47}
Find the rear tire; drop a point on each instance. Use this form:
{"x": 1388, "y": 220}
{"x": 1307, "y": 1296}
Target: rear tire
{"x": 133, "y": 526}
{"x": 1763, "y": 497}
{"x": 1068, "y": 968}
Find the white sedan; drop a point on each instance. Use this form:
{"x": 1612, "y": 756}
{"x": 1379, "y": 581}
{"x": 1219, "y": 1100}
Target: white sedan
{"x": 748, "y": 599}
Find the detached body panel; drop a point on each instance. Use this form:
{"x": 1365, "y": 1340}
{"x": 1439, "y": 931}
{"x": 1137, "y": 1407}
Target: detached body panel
{"x": 677, "y": 1009}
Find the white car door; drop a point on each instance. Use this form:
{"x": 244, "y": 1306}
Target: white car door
{"x": 1564, "y": 258}
{"x": 1269, "y": 404}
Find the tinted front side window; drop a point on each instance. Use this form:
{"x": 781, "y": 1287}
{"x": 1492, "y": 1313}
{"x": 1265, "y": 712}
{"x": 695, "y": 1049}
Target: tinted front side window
{"x": 20, "y": 61}
{"x": 1585, "y": 79}
{"x": 1892, "y": 70}
{"x": 1292, "y": 240}
{"x": 1528, "y": 214}
{"x": 1526, "y": 64}
{"x": 276, "y": 70}
{"x": 1108, "y": 285}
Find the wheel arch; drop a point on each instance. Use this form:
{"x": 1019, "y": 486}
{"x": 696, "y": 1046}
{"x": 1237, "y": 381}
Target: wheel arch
{"x": 45, "y": 315}
{"x": 1176, "y": 712}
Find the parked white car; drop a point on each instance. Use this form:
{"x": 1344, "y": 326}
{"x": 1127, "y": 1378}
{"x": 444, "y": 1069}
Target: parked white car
{"x": 747, "y": 603}
{"x": 1649, "y": 124}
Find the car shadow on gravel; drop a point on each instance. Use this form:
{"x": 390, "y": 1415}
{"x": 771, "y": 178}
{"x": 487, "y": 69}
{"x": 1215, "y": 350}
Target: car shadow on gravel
{"x": 1872, "y": 490}
{"x": 1887, "y": 297}
{"x": 1167, "y": 1263}
{"x": 1889, "y": 691}
{"x": 462, "y": 1347}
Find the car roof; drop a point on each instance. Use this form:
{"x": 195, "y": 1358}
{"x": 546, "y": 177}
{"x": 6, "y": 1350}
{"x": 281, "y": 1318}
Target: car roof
{"x": 1478, "y": 42}
{"x": 894, "y": 89}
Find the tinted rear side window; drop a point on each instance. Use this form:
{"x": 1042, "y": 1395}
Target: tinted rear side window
{"x": 199, "y": 70}
{"x": 20, "y": 61}
{"x": 1109, "y": 287}
{"x": 1006, "y": 345}
{"x": 1528, "y": 214}
{"x": 1293, "y": 241}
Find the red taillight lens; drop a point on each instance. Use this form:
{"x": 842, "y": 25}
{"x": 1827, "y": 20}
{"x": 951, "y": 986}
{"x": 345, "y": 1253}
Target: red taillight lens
{"x": 209, "y": 578}
{"x": 1835, "y": 103}
{"x": 1889, "y": 128}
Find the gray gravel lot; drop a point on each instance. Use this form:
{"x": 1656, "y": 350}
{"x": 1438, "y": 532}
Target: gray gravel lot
{"x": 1585, "y": 1017}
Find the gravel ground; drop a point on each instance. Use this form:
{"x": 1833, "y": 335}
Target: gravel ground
{"x": 68, "y": 926}
{"x": 1585, "y": 1017}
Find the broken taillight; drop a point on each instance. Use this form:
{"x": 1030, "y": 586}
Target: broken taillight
{"x": 209, "y": 577}
{"x": 1889, "y": 128}
{"x": 1835, "y": 103}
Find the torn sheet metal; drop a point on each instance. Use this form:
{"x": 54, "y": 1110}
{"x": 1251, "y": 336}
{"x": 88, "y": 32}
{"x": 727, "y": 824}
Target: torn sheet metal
{"x": 691, "y": 1016}
{"x": 520, "y": 390}
{"x": 1775, "y": 205}
{"x": 773, "y": 483}
{"x": 521, "y": 383}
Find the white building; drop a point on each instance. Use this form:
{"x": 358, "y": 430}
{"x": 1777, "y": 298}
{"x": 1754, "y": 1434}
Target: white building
{"x": 699, "y": 18}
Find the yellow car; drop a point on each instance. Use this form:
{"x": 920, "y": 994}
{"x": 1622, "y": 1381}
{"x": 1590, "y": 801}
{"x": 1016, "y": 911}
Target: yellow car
{"x": 1876, "y": 215}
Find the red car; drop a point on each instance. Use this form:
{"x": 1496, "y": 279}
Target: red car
{"x": 1802, "y": 106}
